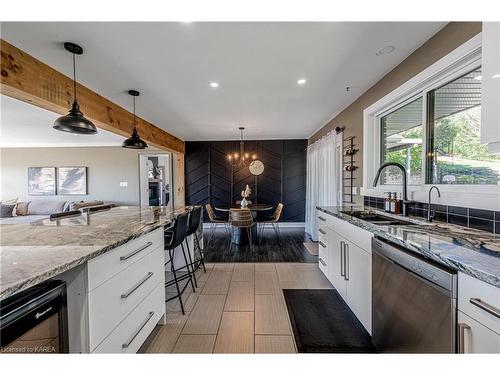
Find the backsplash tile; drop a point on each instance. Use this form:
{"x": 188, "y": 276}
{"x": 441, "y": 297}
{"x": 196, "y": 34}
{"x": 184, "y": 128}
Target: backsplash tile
{"x": 482, "y": 214}
{"x": 467, "y": 217}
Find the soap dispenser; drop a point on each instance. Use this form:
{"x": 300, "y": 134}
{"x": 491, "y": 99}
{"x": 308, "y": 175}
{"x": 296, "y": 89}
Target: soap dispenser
{"x": 387, "y": 203}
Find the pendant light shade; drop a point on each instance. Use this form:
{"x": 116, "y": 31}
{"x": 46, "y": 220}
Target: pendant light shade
{"x": 134, "y": 142}
{"x": 74, "y": 122}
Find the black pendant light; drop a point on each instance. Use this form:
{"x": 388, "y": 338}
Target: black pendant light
{"x": 134, "y": 141}
{"x": 74, "y": 122}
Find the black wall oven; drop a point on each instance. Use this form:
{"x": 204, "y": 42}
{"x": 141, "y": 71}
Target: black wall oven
{"x": 35, "y": 320}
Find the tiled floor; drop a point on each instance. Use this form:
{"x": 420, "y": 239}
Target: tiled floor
{"x": 237, "y": 308}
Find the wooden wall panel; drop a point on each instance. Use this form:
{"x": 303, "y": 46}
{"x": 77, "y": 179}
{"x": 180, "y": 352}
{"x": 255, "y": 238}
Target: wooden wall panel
{"x": 210, "y": 178}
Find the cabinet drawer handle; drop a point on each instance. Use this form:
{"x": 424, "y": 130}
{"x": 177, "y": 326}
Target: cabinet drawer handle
{"x": 136, "y": 286}
{"x": 131, "y": 254}
{"x": 342, "y": 272}
{"x": 321, "y": 218}
{"x": 322, "y": 262}
{"x": 127, "y": 344}
{"x": 321, "y": 231}
{"x": 461, "y": 337}
{"x": 322, "y": 244}
{"x": 485, "y": 306}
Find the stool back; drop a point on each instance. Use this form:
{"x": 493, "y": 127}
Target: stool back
{"x": 179, "y": 231}
{"x": 194, "y": 220}
{"x": 240, "y": 217}
{"x": 277, "y": 213}
{"x": 210, "y": 212}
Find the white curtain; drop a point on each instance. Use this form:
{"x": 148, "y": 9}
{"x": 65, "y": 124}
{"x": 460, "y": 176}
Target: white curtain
{"x": 323, "y": 178}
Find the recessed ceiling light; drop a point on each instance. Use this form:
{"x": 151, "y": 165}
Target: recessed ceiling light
{"x": 214, "y": 85}
{"x": 301, "y": 81}
{"x": 385, "y": 50}
{"x": 478, "y": 78}
{"x": 496, "y": 76}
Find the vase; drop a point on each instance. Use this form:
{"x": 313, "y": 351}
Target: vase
{"x": 244, "y": 202}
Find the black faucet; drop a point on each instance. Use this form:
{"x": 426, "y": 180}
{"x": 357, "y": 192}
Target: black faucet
{"x": 406, "y": 202}
{"x": 429, "y": 216}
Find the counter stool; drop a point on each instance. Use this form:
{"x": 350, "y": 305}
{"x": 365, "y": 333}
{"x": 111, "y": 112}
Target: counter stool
{"x": 194, "y": 224}
{"x": 175, "y": 236}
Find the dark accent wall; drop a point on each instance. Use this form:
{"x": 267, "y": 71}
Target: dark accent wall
{"x": 210, "y": 178}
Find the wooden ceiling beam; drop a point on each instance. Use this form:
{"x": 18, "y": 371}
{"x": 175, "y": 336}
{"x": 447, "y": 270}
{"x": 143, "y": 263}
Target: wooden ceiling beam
{"x": 27, "y": 79}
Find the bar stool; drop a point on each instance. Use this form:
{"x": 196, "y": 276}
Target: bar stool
{"x": 175, "y": 236}
{"x": 194, "y": 223}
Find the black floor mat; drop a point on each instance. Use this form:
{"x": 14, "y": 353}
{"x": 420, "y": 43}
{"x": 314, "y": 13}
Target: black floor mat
{"x": 323, "y": 323}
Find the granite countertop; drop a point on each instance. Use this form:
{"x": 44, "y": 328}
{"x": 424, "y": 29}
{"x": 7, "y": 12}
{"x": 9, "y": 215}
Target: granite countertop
{"x": 34, "y": 252}
{"x": 471, "y": 251}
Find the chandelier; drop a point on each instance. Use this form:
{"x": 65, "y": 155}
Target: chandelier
{"x": 242, "y": 158}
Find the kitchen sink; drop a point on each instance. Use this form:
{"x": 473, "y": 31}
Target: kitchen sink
{"x": 376, "y": 218}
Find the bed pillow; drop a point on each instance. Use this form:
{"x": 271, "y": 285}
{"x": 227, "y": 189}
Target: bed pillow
{"x": 6, "y": 210}
{"x": 22, "y": 208}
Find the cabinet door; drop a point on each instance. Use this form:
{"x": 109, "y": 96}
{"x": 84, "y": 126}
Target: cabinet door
{"x": 359, "y": 283}
{"x": 335, "y": 263}
{"x": 473, "y": 337}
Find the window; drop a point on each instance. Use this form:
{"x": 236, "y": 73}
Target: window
{"x": 401, "y": 136}
{"x": 454, "y": 152}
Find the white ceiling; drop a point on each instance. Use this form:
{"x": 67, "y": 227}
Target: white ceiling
{"x": 256, "y": 64}
{"x": 24, "y": 125}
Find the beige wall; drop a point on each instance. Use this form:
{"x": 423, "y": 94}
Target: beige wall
{"x": 446, "y": 40}
{"x": 107, "y": 167}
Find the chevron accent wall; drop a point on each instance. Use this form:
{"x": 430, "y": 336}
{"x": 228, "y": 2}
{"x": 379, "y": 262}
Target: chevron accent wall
{"x": 210, "y": 178}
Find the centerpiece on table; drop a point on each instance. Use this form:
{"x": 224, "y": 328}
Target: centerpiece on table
{"x": 245, "y": 194}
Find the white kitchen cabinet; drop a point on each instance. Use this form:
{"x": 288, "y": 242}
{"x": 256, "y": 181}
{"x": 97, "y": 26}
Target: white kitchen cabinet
{"x": 490, "y": 86}
{"x": 473, "y": 337}
{"x": 478, "y": 316}
{"x": 111, "y": 296}
{"x": 359, "y": 283}
{"x": 347, "y": 263}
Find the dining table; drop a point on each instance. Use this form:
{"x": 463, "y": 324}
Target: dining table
{"x": 240, "y": 237}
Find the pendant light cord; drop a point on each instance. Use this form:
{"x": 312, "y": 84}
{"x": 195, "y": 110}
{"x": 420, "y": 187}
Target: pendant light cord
{"x": 74, "y": 76}
{"x": 134, "y": 112}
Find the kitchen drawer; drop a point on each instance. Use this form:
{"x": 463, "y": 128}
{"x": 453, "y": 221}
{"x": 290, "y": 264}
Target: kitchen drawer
{"x": 473, "y": 292}
{"x": 112, "y": 301}
{"x": 476, "y": 337}
{"x": 351, "y": 232}
{"x": 322, "y": 233}
{"x": 324, "y": 219}
{"x": 105, "y": 266}
{"x": 323, "y": 254}
{"x": 136, "y": 327}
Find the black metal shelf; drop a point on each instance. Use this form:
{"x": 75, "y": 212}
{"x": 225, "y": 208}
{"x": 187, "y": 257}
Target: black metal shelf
{"x": 348, "y": 160}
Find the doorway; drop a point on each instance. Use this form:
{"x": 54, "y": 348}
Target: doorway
{"x": 155, "y": 175}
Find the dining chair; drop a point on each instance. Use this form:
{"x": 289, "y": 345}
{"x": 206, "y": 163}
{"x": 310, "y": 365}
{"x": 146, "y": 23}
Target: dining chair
{"x": 273, "y": 220}
{"x": 241, "y": 218}
{"x": 215, "y": 221}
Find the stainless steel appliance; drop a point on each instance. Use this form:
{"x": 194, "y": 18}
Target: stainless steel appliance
{"x": 35, "y": 320}
{"x": 413, "y": 302}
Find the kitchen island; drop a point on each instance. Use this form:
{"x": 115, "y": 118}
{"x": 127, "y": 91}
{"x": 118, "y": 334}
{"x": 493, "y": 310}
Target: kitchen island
{"x": 112, "y": 263}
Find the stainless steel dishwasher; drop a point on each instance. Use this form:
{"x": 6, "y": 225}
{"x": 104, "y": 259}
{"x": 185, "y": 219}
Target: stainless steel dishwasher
{"x": 413, "y": 302}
